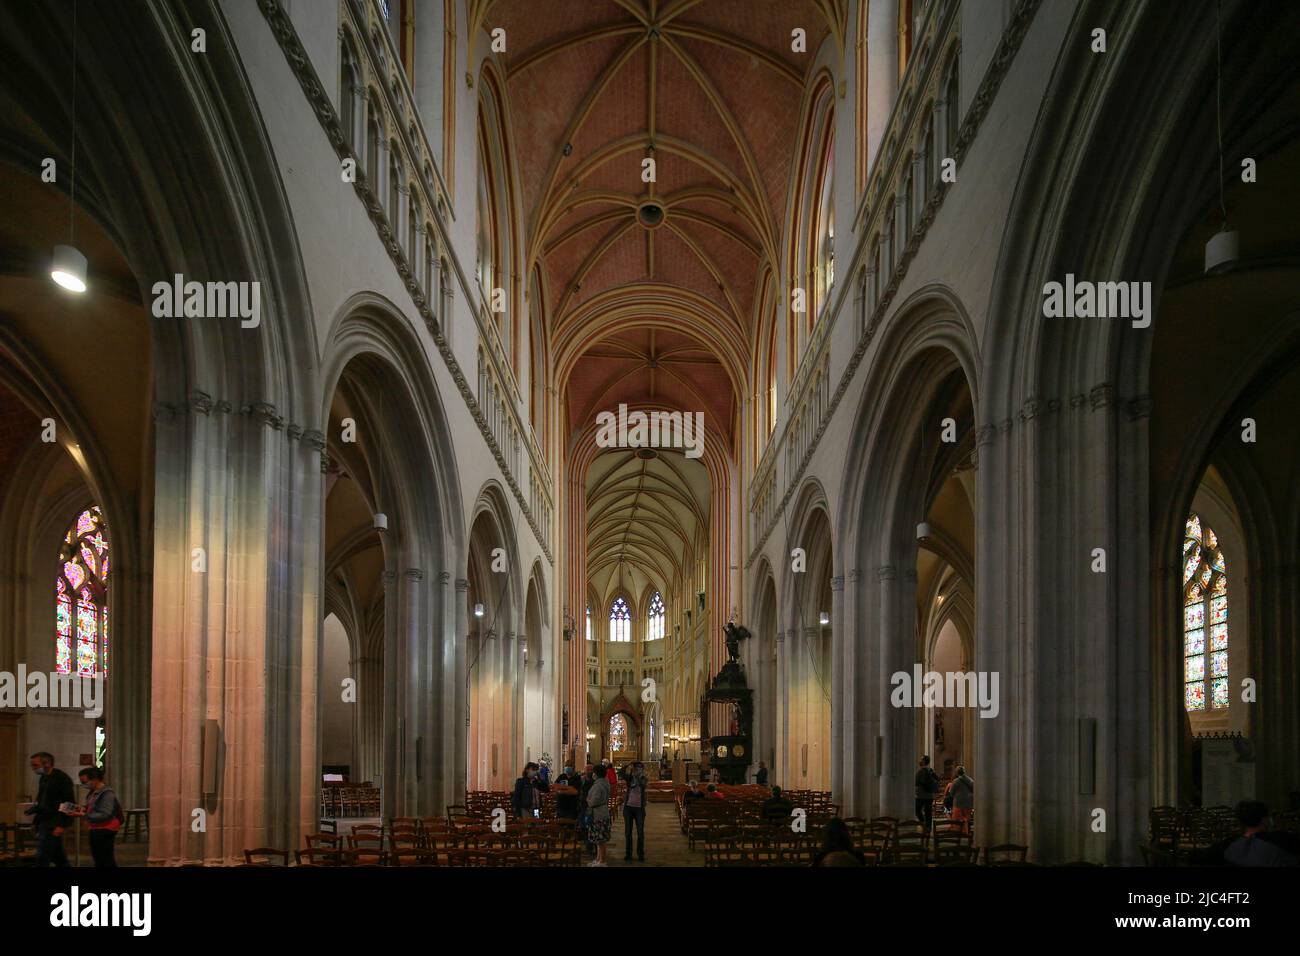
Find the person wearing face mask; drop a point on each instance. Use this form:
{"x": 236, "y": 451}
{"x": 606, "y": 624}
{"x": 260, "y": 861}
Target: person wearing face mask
{"x": 526, "y": 799}
{"x": 103, "y": 811}
{"x": 54, "y": 791}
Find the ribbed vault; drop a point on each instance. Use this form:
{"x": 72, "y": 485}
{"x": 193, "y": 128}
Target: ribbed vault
{"x": 647, "y": 519}
{"x": 708, "y": 89}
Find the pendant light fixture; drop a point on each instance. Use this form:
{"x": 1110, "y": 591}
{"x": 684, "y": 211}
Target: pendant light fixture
{"x": 68, "y": 267}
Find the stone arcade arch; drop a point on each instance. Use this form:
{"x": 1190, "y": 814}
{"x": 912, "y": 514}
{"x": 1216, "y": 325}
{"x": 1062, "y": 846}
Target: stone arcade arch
{"x": 197, "y": 192}
{"x": 494, "y": 650}
{"x": 763, "y": 672}
{"x": 808, "y": 677}
{"x": 376, "y": 375}
{"x": 926, "y": 346}
{"x": 1066, "y": 385}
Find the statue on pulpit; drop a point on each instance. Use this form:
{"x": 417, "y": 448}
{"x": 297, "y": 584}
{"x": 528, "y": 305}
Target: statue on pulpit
{"x": 735, "y": 634}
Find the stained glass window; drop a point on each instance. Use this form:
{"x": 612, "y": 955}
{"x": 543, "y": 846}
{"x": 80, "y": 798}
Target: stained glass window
{"x": 656, "y": 629}
{"x": 81, "y": 598}
{"x": 620, "y": 621}
{"x": 617, "y": 733}
{"x": 1205, "y": 602}
{"x": 588, "y": 622}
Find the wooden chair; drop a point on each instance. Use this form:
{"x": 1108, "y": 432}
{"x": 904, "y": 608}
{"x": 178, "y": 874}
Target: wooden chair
{"x": 371, "y": 848}
{"x": 317, "y": 856}
{"x": 331, "y": 842}
{"x": 949, "y": 852}
{"x": 457, "y": 815}
{"x": 1004, "y": 853}
{"x": 267, "y": 855}
{"x": 412, "y": 857}
{"x": 13, "y": 849}
{"x": 360, "y": 857}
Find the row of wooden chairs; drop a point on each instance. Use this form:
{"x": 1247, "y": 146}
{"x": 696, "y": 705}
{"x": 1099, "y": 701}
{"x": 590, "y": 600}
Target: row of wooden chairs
{"x": 456, "y": 856}
{"x": 345, "y": 800}
{"x": 17, "y": 844}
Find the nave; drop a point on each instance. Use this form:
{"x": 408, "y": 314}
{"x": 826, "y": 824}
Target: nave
{"x": 661, "y": 382}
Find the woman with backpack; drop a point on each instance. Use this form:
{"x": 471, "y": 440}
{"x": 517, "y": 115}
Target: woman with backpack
{"x": 963, "y": 799}
{"x": 103, "y": 811}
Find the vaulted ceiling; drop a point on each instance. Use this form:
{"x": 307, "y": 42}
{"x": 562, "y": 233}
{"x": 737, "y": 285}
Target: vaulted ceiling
{"x": 646, "y": 519}
{"x": 708, "y": 89}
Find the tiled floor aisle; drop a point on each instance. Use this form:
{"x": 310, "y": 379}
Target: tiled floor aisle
{"x": 665, "y": 844}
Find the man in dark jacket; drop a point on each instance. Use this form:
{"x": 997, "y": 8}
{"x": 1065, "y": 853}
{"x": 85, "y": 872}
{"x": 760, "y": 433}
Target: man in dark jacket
{"x": 777, "y": 808}
{"x": 634, "y": 809}
{"x": 927, "y": 785}
{"x": 54, "y": 791}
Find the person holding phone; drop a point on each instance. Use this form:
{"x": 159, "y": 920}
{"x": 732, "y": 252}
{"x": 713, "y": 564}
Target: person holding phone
{"x": 103, "y": 811}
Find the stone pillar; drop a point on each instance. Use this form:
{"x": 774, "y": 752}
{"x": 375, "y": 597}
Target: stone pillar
{"x": 835, "y": 681}
{"x": 394, "y": 732}
{"x": 457, "y": 692}
{"x": 853, "y": 755}
{"x": 1003, "y": 777}
{"x": 233, "y": 727}
{"x": 896, "y": 642}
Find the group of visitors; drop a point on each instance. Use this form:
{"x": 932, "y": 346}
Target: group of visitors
{"x": 55, "y": 808}
{"x": 582, "y": 798}
{"x": 958, "y": 795}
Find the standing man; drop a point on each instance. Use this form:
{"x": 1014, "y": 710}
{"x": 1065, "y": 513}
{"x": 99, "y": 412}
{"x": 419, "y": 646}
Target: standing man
{"x": 927, "y": 785}
{"x": 47, "y": 812}
{"x": 760, "y": 778}
{"x": 634, "y": 810}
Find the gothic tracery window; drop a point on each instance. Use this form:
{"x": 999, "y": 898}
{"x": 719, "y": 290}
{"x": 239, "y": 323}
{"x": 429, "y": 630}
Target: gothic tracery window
{"x": 589, "y": 624}
{"x": 1205, "y": 619}
{"x": 620, "y": 621}
{"x": 81, "y": 598}
{"x": 824, "y": 223}
{"x": 617, "y": 733}
{"x": 656, "y": 615}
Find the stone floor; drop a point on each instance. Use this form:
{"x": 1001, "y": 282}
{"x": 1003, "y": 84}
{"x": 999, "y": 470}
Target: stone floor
{"x": 665, "y": 844}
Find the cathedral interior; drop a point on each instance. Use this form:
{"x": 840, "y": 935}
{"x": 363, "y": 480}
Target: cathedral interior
{"x": 768, "y": 392}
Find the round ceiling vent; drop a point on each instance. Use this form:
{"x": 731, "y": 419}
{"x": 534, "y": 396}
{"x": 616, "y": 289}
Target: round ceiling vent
{"x": 650, "y": 215}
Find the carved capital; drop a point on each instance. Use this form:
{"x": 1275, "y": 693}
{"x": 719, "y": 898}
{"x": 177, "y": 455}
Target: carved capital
{"x": 1139, "y": 407}
{"x": 984, "y": 435}
{"x": 1101, "y": 395}
{"x": 414, "y": 574}
{"x": 837, "y": 583}
{"x": 886, "y": 572}
{"x": 265, "y": 413}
